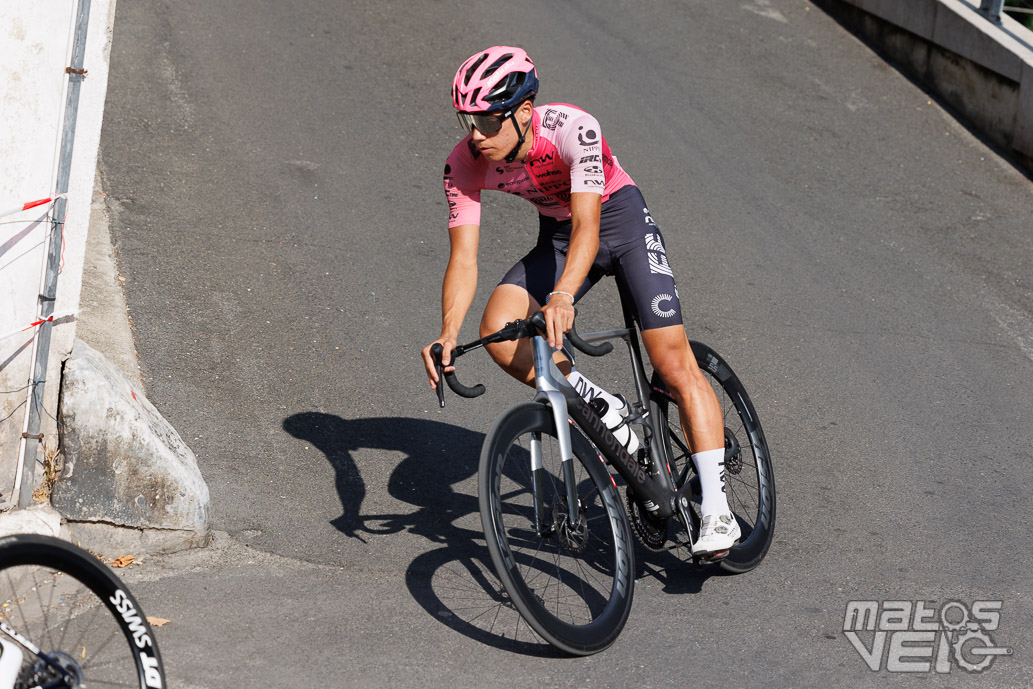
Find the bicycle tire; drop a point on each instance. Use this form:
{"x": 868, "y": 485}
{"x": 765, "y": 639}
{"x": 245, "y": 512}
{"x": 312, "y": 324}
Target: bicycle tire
{"x": 750, "y": 483}
{"x": 76, "y": 623}
{"x": 573, "y": 588}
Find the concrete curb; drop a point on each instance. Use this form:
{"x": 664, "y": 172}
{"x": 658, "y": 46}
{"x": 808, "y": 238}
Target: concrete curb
{"x": 103, "y": 314}
{"x": 103, "y": 324}
{"x": 984, "y": 71}
{"x": 41, "y": 519}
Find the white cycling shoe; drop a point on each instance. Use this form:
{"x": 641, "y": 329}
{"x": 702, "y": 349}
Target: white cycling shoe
{"x": 718, "y": 533}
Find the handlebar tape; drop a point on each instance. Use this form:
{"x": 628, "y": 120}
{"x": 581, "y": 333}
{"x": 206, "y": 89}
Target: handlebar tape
{"x": 458, "y": 388}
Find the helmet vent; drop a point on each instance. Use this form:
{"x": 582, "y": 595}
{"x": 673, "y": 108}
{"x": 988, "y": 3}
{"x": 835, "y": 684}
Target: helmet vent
{"x": 506, "y": 87}
{"x": 473, "y": 68}
{"x": 495, "y": 65}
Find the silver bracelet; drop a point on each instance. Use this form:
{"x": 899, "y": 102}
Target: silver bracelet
{"x": 549, "y": 296}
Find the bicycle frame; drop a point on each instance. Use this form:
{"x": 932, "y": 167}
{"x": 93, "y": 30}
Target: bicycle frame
{"x": 656, "y": 487}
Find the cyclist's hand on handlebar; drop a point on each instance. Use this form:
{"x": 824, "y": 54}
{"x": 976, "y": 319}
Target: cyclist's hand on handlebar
{"x": 447, "y": 345}
{"x": 559, "y": 318}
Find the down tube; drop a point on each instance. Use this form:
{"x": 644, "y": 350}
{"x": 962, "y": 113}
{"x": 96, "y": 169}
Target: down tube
{"x": 626, "y": 465}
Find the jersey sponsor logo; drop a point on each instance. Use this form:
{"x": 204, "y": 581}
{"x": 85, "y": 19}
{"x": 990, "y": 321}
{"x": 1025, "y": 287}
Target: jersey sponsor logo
{"x": 593, "y": 170}
{"x": 448, "y": 169}
{"x": 661, "y": 299}
{"x": 649, "y": 218}
{"x": 512, "y": 182}
{"x": 588, "y": 159}
{"x": 543, "y": 200}
{"x": 545, "y": 159}
{"x": 589, "y": 137}
{"x": 553, "y": 119}
{"x": 657, "y": 256}
{"x": 595, "y": 182}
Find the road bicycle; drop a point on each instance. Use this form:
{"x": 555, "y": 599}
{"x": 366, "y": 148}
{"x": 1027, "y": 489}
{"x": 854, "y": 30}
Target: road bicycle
{"x": 559, "y": 535}
{"x": 67, "y": 622}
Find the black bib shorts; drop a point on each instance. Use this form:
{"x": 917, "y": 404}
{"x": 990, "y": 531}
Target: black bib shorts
{"x": 631, "y": 249}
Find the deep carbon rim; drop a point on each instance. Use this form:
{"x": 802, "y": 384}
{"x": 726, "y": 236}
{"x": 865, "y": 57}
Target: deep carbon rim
{"x": 751, "y": 490}
{"x": 61, "y": 601}
{"x": 577, "y": 598}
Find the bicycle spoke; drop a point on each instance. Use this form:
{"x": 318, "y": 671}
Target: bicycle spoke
{"x": 56, "y": 595}
{"x": 749, "y": 486}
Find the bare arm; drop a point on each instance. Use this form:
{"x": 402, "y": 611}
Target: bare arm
{"x": 585, "y": 209}
{"x": 457, "y": 293}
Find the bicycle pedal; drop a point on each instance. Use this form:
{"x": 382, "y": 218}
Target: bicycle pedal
{"x": 711, "y": 558}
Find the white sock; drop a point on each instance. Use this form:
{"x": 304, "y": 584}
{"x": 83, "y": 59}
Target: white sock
{"x": 711, "y": 467}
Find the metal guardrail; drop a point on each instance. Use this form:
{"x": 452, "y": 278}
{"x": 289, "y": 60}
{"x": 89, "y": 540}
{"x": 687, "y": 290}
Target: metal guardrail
{"x": 991, "y": 9}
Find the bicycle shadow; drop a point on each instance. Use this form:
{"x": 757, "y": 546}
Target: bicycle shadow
{"x": 455, "y": 583}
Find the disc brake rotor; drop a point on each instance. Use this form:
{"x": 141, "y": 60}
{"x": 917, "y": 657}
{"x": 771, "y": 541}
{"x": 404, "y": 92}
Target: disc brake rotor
{"x": 572, "y": 537}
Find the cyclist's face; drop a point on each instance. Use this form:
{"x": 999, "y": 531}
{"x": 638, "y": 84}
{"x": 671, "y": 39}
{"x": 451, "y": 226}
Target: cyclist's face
{"x": 496, "y": 146}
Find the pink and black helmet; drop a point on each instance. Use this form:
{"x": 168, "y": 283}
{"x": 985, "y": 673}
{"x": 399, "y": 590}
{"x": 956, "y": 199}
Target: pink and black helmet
{"x": 494, "y": 80}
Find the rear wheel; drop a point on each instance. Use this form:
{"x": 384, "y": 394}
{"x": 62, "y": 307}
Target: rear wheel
{"x": 70, "y": 619}
{"x": 571, "y": 579}
{"x": 749, "y": 481}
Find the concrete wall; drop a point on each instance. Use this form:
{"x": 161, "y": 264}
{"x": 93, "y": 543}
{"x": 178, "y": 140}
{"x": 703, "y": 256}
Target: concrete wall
{"x": 35, "y": 49}
{"x": 983, "y": 70}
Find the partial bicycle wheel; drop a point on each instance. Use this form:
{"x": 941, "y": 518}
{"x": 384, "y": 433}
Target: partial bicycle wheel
{"x": 749, "y": 480}
{"x": 572, "y": 580}
{"x": 71, "y": 620}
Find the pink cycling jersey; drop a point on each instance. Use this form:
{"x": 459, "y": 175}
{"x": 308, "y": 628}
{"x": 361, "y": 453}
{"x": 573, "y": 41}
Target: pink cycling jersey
{"x": 569, "y": 155}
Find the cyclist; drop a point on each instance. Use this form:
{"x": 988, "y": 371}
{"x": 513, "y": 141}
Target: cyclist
{"x": 593, "y": 221}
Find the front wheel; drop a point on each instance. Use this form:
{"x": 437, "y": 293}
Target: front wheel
{"x": 66, "y": 621}
{"x": 571, "y": 579}
{"x": 749, "y": 481}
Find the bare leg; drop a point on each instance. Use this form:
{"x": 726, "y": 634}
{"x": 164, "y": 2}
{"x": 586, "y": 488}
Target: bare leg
{"x": 671, "y": 356}
{"x": 509, "y": 303}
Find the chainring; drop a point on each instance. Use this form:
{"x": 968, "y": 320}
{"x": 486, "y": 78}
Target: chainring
{"x": 651, "y": 531}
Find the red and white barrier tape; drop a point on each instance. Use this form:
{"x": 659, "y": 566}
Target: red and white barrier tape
{"x": 30, "y": 326}
{"x": 31, "y": 204}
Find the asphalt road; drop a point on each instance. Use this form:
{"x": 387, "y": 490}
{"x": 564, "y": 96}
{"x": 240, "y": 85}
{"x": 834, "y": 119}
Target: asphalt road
{"x": 860, "y": 258}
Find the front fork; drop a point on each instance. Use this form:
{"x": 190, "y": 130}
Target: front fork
{"x": 542, "y": 516}
{"x": 549, "y": 382}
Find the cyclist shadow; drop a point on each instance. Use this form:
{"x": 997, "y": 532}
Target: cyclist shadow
{"x": 456, "y": 583}
{"x": 438, "y": 456}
